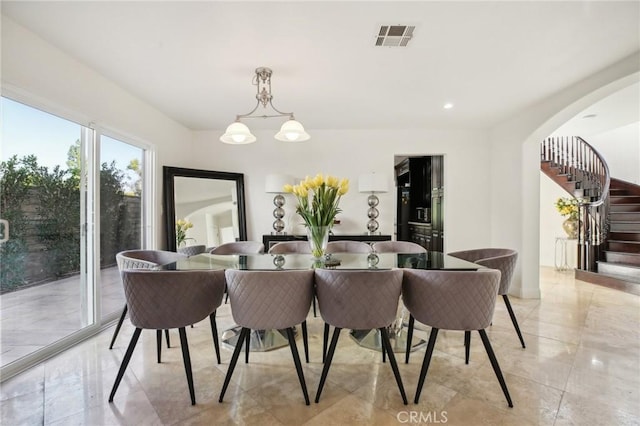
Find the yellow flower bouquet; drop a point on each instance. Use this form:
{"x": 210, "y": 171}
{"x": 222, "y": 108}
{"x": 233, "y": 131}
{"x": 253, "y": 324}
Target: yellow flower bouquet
{"x": 568, "y": 206}
{"x": 318, "y": 200}
{"x": 182, "y": 225}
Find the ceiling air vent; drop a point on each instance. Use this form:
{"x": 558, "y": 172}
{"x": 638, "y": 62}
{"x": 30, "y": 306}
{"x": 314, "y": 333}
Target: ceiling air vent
{"x": 394, "y": 35}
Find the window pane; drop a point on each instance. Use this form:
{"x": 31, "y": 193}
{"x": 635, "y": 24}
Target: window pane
{"x": 120, "y": 214}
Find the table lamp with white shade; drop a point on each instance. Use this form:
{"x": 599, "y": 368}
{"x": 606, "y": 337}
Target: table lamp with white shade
{"x": 274, "y": 184}
{"x": 372, "y": 183}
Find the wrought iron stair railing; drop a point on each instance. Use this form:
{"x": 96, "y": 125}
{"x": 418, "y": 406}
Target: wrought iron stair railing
{"x": 585, "y": 174}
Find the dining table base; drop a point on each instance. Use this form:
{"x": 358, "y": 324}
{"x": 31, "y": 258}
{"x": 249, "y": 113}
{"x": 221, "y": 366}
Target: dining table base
{"x": 371, "y": 339}
{"x": 259, "y": 340}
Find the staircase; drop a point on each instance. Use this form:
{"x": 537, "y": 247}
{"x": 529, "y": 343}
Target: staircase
{"x": 622, "y": 254}
{"x": 609, "y": 226}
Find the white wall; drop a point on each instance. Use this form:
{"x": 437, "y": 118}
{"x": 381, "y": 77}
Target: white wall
{"x": 550, "y": 219}
{"x": 46, "y": 77}
{"x": 621, "y": 149}
{"x": 349, "y": 153}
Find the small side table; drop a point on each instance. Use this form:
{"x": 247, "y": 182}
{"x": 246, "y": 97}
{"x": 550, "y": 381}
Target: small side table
{"x": 560, "y": 256}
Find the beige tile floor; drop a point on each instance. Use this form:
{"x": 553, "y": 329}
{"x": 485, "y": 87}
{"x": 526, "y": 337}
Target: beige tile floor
{"x": 581, "y": 367}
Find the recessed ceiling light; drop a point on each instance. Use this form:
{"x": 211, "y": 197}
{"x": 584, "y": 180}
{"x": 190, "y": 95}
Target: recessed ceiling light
{"x": 448, "y": 105}
{"x": 590, "y": 116}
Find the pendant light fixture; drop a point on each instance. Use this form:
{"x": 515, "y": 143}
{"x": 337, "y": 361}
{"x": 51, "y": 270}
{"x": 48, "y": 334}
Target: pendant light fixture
{"x": 291, "y": 131}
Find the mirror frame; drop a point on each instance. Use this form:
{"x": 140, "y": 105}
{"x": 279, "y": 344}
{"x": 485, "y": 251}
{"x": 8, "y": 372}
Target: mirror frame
{"x": 169, "y": 173}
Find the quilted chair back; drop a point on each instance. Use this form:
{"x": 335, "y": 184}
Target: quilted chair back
{"x": 192, "y": 250}
{"x": 358, "y": 299}
{"x": 171, "y": 299}
{"x": 494, "y": 258}
{"x": 348, "y": 247}
{"x": 290, "y": 247}
{"x": 269, "y": 299}
{"x": 451, "y": 300}
{"x": 239, "y": 247}
{"x": 146, "y": 259}
{"x": 397, "y": 247}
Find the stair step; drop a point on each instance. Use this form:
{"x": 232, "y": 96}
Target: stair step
{"x": 625, "y": 216}
{"x": 625, "y": 227}
{"x": 620, "y": 257}
{"x": 625, "y": 208}
{"x": 625, "y": 236}
{"x": 624, "y": 246}
{"x": 619, "y": 191}
{"x": 621, "y": 270}
{"x": 625, "y": 199}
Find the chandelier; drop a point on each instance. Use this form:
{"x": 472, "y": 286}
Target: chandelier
{"x": 238, "y": 133}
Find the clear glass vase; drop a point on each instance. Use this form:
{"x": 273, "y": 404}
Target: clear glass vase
{"x": 318, "y": 237}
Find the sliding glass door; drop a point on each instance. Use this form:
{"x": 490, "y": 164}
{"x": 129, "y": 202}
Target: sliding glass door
{"x": 72, "y": 197}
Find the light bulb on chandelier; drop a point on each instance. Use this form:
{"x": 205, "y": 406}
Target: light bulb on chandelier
{"x": 238, "y": 133}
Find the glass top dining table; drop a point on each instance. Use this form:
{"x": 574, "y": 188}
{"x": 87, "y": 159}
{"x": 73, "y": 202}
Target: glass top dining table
{"x": 361, "y": 261}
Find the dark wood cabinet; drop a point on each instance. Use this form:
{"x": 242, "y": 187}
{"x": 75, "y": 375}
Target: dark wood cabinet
{"x": 270, "y": 240}
{"x": 419, "y": 182}
{"x": 420, "y": 233}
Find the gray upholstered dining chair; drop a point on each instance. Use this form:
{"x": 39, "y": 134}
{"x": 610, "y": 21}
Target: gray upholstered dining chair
{"x": 294, "y": 247}
{"x": 170, "y": 299}
{"x": 192, "y": 250}
{"x": 269, "y": 300}
{"x": 290, "y": 247}
{"x": 452, "y": 300}
{"x": 143, "y": 259}
{"x": 239, "y": 247}
{"x": 397, "y": 247}
{"x": 495, "y": 258}
{"x": 344, "y": 246}
{"x": 359, "y": 300}
{"x": 340, "y": 246}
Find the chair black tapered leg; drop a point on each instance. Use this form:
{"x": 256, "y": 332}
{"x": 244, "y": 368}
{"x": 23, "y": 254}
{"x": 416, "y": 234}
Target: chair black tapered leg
{"x": 166, "y": 335}
{"x": 296, "y": 361}
{"x": 117, "y": 330}
{"x": 187, "y": 363}
{"x": 214, "y": 333}
{"x": 159, "y": 345}
{"x": 244, "y": 334}
{"x": 425, "y": 362}
{"x": 513, "y": 319}
{"x": 467, "y": 346}
{"x": 412, "y": 321}
{"x": 325, "y": 341}
{"x": 315, "y": 314}
{"x": 383, "y": 350}
{"x": 125, "y": 362}
{"x": 246, "y": 348}
{"x": 494, "y": 364}
{"x": 305, "y": 340}
{"x": 392, "y": 360}
{"x": 327, "y": 362}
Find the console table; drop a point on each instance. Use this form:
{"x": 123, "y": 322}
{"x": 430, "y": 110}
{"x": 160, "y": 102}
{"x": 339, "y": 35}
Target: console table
{"x": 270, "y": 240}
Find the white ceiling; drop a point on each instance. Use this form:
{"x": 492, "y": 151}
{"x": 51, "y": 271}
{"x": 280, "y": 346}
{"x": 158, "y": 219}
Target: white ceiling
{"x": 195, "y": 60}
